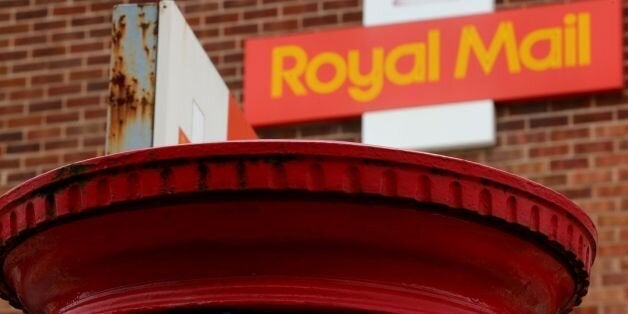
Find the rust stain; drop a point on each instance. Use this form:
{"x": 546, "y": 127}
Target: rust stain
{"x": 131, "y": 103}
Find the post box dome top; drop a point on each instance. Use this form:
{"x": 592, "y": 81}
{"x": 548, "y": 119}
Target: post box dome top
{"x": 457, "y": 187}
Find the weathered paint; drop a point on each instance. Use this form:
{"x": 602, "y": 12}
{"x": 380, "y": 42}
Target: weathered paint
{"x": 290, "y": 226}
{"x": 132, "y": 77}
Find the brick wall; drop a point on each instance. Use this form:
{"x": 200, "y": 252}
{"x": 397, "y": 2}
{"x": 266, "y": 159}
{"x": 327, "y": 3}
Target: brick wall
{"x": 54, "y": 57}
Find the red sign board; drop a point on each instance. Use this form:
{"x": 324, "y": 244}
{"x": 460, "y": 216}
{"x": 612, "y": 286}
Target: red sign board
{"x": 514, "y": 54}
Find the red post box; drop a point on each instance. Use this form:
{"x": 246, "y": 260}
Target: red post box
{"x": 288, "y": 226}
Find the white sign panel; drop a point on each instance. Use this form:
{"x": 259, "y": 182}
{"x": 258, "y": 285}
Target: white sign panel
{"x": 380, "y": 12}
{"x": 459, "y": 125}
{"x": 192, "y": 100}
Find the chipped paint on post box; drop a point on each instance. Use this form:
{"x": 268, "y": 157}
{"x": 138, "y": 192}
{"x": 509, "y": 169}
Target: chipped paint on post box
{"x": 132, "y": 77}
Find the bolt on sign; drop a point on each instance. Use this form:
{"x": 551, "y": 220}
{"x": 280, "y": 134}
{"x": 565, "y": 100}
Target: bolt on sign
{"x": 515, "y": 54}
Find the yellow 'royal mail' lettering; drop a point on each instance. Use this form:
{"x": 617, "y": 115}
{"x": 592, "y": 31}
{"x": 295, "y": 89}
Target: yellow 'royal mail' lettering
{"x": 561, "y": 41}
{"x": 569, "y": 45}
{"x": 364, "y": 86}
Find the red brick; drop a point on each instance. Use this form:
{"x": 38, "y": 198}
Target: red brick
{"x": 46, "y": 79}
{"x": 576, "y": 133}
{"x": 86, "y": 47}
{"x": 106, "y": 6}
{"x": 12, "y": 55}
{"x": 527, "y": 137}
{"x": 27, "y": 93}
{"x": 69, "y": 10}
{"x": 551, "y": 180}
{"x": 549, "y": 151}
{"x": 100, "y": 32}
{"x": 613, "y": 220}
{"x": 98, "y": 86}
{"x": 239, "y": 3}
{"x": 27, "y": 67}
{"x": 95, "y": 113}
{"x": 501, "y": 154}
{"x": 527, "y": 108}
{"x": 548, "y": 122}
{"x": 612, "y": 130}
{"x": 19, "y": 177}
{"x": 49, "y": 51}
{"x": 83, "y": 101}
{"x": 609, "y": 99}
{"x": 49, "y": 25}
{"x": 48, "y": 105}
{"x": 30, "y": 120}
{"x": 320, "y": 20}
{"x": 67, "y": 36}
{"x": 85, "y": 128}
{"x": 95, "y": 59}
{"x": 31, "y": 14}
{"x": 300, "y": 8}
{"x": 207, "y": 33}
{"x": 10, "y": 136}
{"x": 44, "y": 133}
{"x": 193, "y": 7}
{"x": 61, "y": 144}
{"x": 576, "y": 193}
{"x": 14, "y": 29}
{"x": 94, "y": 141}
{"x": 571, "y": 104}
{"x": 588, "y": 177}
{"x": 62, "y": 117}
{"x": 611, "y": 160}
{"x": 85, "y": 21}
{"x": 262, "y": 13}
{"x": 22, "y": 148}
{"x": 42, "y": 160}
{"x": 86, "y": 74}
{"x": 352, "y": 17}
{"x": 593, "y": 117}
{"x": 339, "y": 4}
{"x": 593, "y": 147}
{"x": 241, "y": 29}
{"x": 287, "y": 25}
{"x": 74, "y": 157}
{"x": 612, "y": 190}
{"x": 64, "y": 89}
{"x": 30, "y": 40}
{"x": 220, "y": 45}
{"x": 13, "y": 82}
{"x": 567, "y": 164}
{"x": 13, "y": 3}
{"x": 9, "y": 163}
{"x": 221, "y": 18}
{"x": 237, "y": 57}
{"x": 6, "y": 110}
{"x": 65, "y": 64}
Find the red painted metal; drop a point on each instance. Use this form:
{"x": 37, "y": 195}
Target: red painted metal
{"x": 290, "y": 226}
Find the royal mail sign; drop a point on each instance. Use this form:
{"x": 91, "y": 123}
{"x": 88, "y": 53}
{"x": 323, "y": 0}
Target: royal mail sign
{"x": 526, "y": 53}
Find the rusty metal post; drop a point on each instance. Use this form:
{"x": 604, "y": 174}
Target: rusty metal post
{"x": 132, "y": 77}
